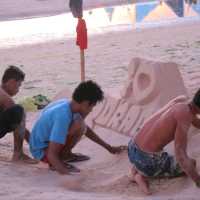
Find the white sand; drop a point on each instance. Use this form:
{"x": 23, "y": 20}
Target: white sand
{"x": 51, "y": 67}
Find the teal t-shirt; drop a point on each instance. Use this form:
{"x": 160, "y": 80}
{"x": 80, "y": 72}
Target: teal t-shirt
{"x": 51, "y": 126}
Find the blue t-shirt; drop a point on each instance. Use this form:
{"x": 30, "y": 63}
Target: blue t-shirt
{"x": 51, "y": 126}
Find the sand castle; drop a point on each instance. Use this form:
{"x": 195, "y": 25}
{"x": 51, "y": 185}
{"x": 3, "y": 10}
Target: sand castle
{"x": 150, "y": 85}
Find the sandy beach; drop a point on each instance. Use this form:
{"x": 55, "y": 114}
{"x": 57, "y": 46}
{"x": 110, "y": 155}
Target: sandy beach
{"x": 52, "y": 66}
{"x": 55, "y": 65}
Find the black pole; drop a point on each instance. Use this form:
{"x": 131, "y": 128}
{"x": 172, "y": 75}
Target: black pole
{"x": 76, "y": 7}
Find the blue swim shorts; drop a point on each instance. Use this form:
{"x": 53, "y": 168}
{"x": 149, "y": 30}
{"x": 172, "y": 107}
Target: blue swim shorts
{"x": 159, "y": 164}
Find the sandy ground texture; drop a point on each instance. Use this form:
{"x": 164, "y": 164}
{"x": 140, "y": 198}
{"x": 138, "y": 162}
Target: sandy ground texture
{"x": 52, "y": 66}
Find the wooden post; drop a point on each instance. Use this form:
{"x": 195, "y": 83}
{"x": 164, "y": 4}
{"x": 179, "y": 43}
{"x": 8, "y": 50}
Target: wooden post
{"x": 82, "y": 57}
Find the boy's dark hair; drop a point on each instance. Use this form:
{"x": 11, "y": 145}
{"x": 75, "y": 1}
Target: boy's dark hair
{"x": 13, "y": 72}
{"x": 196, "y": 99}
{"x": 88, "y": 91}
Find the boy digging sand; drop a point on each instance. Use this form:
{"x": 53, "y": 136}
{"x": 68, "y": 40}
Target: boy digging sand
{"x": 61, "y": 125}
{"x": 146, "y": 153}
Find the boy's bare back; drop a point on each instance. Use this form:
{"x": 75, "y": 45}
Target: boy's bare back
{"x": 160, "y": 129}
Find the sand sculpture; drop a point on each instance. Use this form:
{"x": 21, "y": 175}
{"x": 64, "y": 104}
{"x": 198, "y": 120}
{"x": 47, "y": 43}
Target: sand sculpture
{"x": 150, "y": 85}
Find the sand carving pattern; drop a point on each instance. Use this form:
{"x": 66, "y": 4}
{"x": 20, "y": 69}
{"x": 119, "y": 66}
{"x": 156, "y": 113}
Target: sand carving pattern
{"x": 150, "y": 85}
{"x": 191, "y": 77}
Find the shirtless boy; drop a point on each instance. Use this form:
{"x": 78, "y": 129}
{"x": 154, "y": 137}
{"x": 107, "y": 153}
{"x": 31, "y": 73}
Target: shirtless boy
{"x": 12, "y": 118}
{"x": 171, "y": 123}
{"x": 61, "y": 125}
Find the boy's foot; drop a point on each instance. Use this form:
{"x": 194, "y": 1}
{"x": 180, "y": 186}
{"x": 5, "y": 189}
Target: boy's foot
{"x": 22, "y": 157}
{"x": 75, "y": 157}
{"x": 142, "y": 183}
{"x": 70, "y": 168}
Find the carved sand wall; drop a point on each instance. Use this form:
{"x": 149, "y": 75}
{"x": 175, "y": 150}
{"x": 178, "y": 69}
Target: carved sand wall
{"x": 150, "y": 85}
{"x": 191, "y": 78}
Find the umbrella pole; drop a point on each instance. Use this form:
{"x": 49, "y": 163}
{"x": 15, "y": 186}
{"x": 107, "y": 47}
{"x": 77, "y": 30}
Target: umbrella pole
{"x": 82, "y": 56}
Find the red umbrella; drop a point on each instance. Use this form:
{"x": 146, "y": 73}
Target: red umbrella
{"x": 76, "y": 7}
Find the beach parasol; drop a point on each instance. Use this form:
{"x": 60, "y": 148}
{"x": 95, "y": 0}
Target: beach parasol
{"x": 162, "y": 11}
{"x": 97, "y": 18}
{"x": 125, "y": 14}
{"x": 177, "y": 6}
{"x": 196, "y": 7}
{"x": 143, "y": 9}
{"x": 189, "y": 11}
{"x": 76, "y": 7}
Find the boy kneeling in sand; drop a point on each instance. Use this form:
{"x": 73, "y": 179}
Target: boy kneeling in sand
{"x": 61, "y": 125}
{"x": 12, "y": 116}
{"x": 146, "y": 153}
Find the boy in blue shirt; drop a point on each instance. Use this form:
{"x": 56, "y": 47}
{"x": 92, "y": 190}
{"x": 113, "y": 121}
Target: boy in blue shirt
{"x": 61, "y": 125}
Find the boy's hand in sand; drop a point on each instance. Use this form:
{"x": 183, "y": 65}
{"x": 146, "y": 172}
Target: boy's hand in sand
{"x": 117, "y": 149}
{"x": 22, "y": 157}
{"x": 198, "y": 183}
{"x": 193, "y": 162}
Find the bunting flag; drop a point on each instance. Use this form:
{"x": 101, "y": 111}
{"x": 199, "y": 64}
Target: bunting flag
{"x": 81, "y": 31}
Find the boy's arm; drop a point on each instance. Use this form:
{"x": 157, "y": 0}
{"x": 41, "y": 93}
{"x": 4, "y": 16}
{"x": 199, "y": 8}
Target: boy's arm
{"x": 5, "y": 100}
{"x": 95, "y": 138}
{"x": 186, "y": 163}
{"x": 196, "y": 123}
